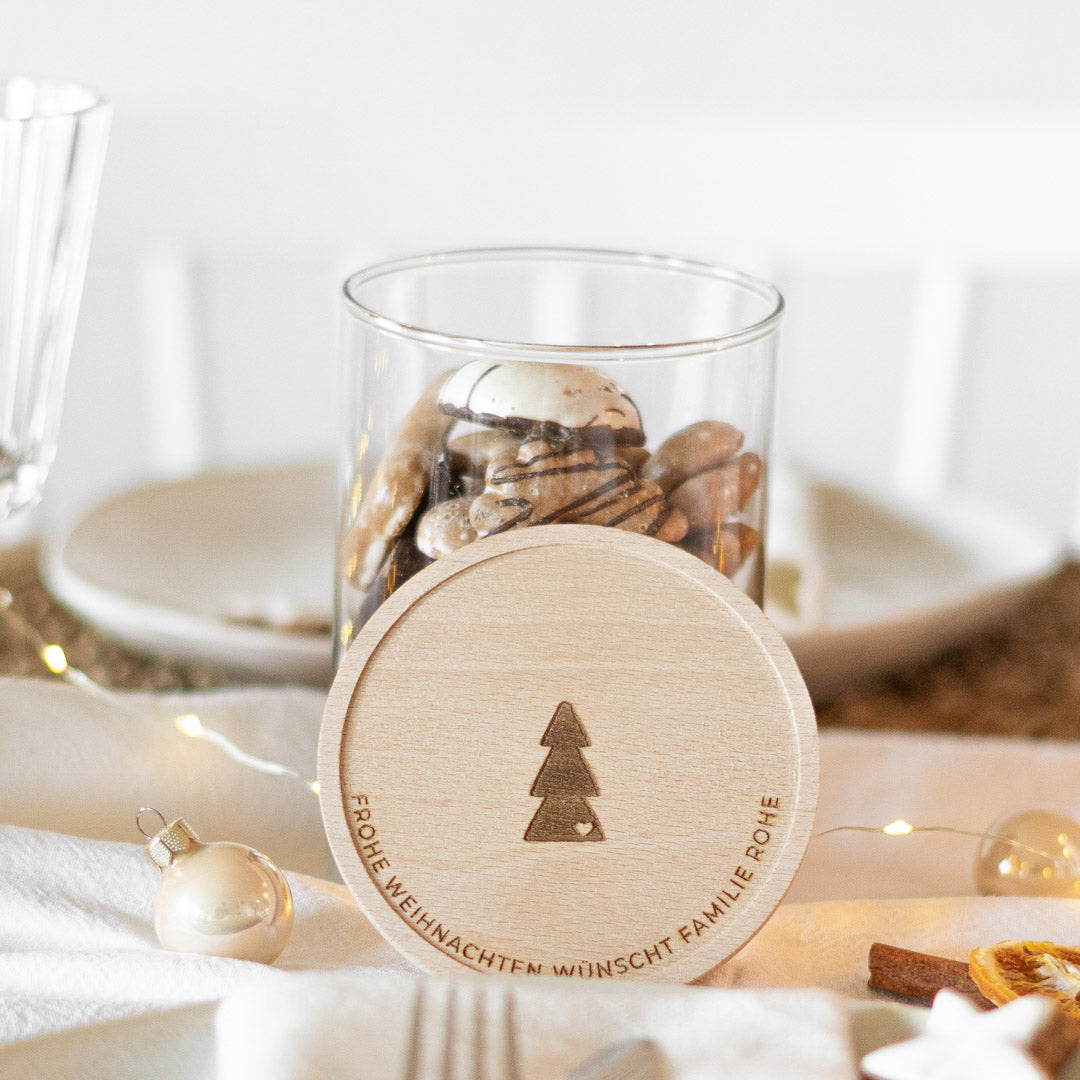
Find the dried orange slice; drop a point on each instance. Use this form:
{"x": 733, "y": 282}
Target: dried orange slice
{"x": 1011, "y": 969}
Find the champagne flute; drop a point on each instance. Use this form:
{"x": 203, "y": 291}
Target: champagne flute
{"x": 52, "y": 146}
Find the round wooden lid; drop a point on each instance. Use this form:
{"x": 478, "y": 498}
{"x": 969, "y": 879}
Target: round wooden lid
{"x": 572, "y": 751}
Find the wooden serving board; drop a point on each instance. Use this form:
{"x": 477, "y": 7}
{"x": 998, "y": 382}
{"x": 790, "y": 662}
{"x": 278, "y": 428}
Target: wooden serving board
{"x": 568, "y": 750}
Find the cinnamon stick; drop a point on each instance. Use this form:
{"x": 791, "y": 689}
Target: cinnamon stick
{"x": 919, "y": 976}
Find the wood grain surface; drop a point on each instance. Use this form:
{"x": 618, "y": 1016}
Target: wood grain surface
{"x": 636, "y": 693}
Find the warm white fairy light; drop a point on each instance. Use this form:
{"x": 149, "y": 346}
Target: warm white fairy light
{"x": 55, "y": 659}
{"x": 189, "y": 724}
{"x": 900, "y": 827}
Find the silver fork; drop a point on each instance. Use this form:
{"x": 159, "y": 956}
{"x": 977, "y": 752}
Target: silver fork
{"x": 466, "y": 1047}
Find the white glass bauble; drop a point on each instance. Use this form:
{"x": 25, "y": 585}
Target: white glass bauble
{"x": 1032, "y": 853}
{"x": 219, "y": 899}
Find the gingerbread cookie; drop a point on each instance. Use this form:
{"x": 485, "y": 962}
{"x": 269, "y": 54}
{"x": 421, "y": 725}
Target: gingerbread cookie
{"x": 638, "y": 506}
{"x": 692, "y": 450}
{"x": 544, "y": 483}
{"x": 712, "y": 497}
{"x": 445, "y": 527}
{"x": 543, "y": 400}
{"x": 548, "y": 483}
{"x": 398, "y": 486}
{"x": 635, "y": 457}
{"x": 726, "y": 548}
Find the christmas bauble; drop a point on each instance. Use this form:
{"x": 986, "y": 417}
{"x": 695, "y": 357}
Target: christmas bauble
{"x": 219, "y": 899}
{"x": 1032, "y": 853}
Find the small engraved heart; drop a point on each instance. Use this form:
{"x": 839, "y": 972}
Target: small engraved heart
{"x": 583, "y": 828}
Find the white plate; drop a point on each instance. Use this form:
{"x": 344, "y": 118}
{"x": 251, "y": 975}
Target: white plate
{"x": 859, "y": 586}
{"x": 216, "y": 567}
{"x": 223, "y": 568}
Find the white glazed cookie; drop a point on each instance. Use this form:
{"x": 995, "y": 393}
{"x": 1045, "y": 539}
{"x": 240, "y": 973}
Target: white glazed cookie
{"x": 542, "y": 400}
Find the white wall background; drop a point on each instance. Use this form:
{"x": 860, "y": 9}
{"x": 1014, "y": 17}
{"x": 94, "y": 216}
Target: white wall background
{"x": 909, "y": 173}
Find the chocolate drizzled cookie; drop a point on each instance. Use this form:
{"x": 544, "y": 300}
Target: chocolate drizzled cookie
{"x": 547, "y": 483}
{"x": 639, "y": 506}
{"x": 557, "y": 443}
{"x": 543, "y": 484}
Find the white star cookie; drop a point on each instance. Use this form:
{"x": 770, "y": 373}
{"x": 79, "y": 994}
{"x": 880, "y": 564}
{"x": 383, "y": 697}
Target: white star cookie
{"x": 1025, "y": 1039}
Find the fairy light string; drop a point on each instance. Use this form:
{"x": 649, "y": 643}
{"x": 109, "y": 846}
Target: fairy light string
{"x": 189, "y": 724}
{"x": 900, "y": 827}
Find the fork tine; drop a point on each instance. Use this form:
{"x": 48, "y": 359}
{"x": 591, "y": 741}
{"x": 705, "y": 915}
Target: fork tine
{"x": 448, "y": 1033}
{"x": 478, "y": 1035}
{"x": 513, "y": 1051}
{"x": 412, "y": 1047}
{"x": 489, "y": 1054}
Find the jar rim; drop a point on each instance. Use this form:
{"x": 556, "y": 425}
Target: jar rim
{"x": 740, "y": 280}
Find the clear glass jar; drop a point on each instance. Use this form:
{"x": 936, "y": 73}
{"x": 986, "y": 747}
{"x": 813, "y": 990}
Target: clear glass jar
{"x": 494, "y": 389}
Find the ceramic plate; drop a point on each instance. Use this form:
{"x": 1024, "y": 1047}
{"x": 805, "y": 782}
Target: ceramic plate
{"x": 859, "y": 586}
{"x": 230, "y": 568}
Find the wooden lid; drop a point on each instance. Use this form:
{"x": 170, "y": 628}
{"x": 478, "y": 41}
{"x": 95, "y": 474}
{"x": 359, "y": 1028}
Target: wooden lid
{"x": 569, "y": 750}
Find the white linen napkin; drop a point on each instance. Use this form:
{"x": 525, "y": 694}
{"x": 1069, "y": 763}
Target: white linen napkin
{"x": 827, "y": 944}
{"x": 77, "y": 944}
{"x": 82, "y": 979}
{"x": 77, "y": 951}
{"x": 74, "y": 762}
{"x": 356, "y": 1028}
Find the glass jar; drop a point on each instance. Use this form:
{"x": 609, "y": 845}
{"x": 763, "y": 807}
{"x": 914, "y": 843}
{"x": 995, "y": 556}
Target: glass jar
{"x": 496, "y": 389}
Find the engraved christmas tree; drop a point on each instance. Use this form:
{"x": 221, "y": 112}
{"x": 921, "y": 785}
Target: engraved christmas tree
{"x": 565, "y": 783}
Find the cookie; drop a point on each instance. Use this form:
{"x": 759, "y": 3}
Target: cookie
{"x": 548, "y": 483}
{"x": 725, "y": 549}
{"x": 750, "y": 469}
{"x": 544, "y": 483}
{"x": 543, "y": 400}
{"x": 405, "y": 560}
{"x": 445, "y": 527}
{"x": 692, "y": 450}
{"x": 711, "y": 497}
{"x": 634, "y": 456}
{"x": 472, "y": 453}
{"x": 708, "y": 498}
{"x": 398, "y": 486}
{"x": 638, "y": 506}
